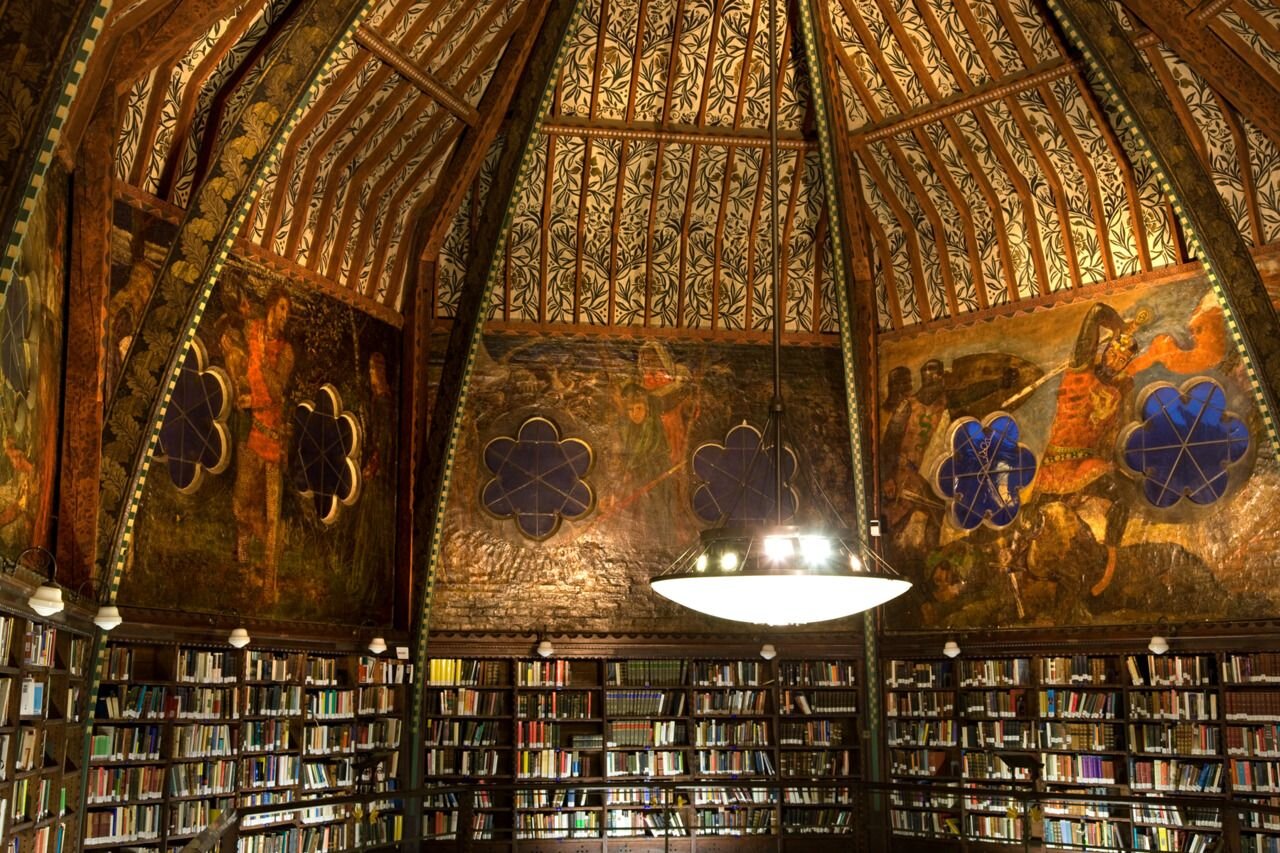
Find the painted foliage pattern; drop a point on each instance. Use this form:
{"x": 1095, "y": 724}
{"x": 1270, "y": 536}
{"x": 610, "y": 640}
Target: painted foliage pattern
{"x": 295, "y": 523}
{"x": 369, "y": 144}
{"x": 31, "y": 345}
{"x": 643, "y": 408}
{"x": 1099, "y": 536}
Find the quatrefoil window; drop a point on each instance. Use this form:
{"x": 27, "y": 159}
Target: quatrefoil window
{"x": 1185, "y": 442}
{"x": 538, "y": 478}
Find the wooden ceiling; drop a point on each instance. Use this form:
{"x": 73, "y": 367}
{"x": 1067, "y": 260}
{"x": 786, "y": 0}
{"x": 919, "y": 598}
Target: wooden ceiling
{"x": 989, "y": 172}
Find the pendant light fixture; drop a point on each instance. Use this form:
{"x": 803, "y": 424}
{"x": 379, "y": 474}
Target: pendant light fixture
{"x": 776, "y": 573}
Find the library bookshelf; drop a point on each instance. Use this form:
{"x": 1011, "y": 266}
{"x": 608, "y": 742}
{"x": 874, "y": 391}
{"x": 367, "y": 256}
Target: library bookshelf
{"x": 1198, "y": 724}
{"x": 628, "y": 727}
{"x": 184, "y": 730}
{"x": 42, "y": 688}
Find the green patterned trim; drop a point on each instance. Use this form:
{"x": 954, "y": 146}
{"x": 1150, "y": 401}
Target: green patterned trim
{"x": 80, "y": 50}
{"x": 1212, "y": 236}
{"x": 826, "y": 148}
{"x": 437, "y": 528}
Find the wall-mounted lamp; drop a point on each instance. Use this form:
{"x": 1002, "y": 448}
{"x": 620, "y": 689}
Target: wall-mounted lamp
{"x": 1158, "y": 645}
{"x": 108, "y": 617}
{"x": 239, "y": 637}
{"x": 768, "y": 652}
{"x": 378, "y": 645}
{"x": 545, "y": 649}
{"x": 47, "y": 599}
{"x": 951, "y": 649}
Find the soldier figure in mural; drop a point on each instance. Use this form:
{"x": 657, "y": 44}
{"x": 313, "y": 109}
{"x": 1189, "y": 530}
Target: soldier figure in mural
{"x": 1093, "y": 401}
{"x": 914, "y": 436}
{"x": 256, "y": 499}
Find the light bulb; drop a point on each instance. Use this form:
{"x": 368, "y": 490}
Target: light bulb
{"x": 815, "y": 549}
{"x": 701, "y": 563}
{"x": 778, "y": 548}
{"x": 728, "y": 561}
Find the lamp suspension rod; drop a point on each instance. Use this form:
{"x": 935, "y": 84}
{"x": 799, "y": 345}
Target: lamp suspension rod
{"x": 775, "y": 63}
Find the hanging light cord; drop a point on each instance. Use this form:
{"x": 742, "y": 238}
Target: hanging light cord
{"x": 775, "y": 63}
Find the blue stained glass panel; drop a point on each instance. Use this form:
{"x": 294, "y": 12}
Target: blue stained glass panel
{"x": 328, "y": 440}
{"x": 538, "y": 478}
{"x": 16, "y": 320}
{"x": 732, "y": 488}
{"x": 194, "y": 436}
{"x": 1185, "y": 443}
{"x": 985, "y": 474}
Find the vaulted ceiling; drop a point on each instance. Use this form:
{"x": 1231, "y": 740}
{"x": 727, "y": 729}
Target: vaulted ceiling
{"x": 988, "y": 171}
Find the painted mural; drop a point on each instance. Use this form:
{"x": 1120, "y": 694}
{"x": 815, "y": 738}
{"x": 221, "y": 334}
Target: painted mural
{"x": 623, "y": 420}
{"x": 1096, "y": 463}
{"x": 32, "y": 323}
{"x": 273, "y": 491}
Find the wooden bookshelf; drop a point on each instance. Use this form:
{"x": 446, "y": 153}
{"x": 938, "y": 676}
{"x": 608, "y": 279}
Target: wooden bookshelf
{"x": 1197, "y": 724}
{"x": 618, "y": 725}
{"x": 184, "y": 731}
{"x": 42, "y": 690}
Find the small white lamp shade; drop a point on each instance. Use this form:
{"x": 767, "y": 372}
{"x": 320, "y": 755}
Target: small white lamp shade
{"x": 47, "y": 600}
{"x": 1158, "y": 645}
{"x": 951, "y": 649}
{"x": 768, "y": 652}
{"x": 108, "y": 617}
{"x": 377, "y": 645}
{"x": 239, "y": 638}
{"x": 545, "y": 649}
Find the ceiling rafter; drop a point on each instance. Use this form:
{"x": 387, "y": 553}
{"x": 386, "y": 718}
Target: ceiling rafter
{"x": 317, "y": 112}
{"x": 390, "y": 138}
{"x": 923, "y": 199}
{"x": 426, "y": 82}
{"x": 422, "y": 134}
{"x": 439, "y": 209}
{"x": 339, "y": 162}
{"x": 728, "y": 137}
{"x": 1252, "y": 90}
{"x": 193, "y": 90}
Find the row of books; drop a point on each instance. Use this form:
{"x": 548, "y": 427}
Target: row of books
{"x": 454, "y": 671}
{"x": 543, "y": 673}
{"x": 817, "y": 673}
{"x": 568, "y": 705}
{"x": 644, "y": 703}
{"x": 455, "y": 733}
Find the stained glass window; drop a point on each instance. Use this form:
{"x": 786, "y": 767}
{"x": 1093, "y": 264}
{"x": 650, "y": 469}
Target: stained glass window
{"x": 1185, "y": 442}
{"x": 538, "y": 478}
{"x": 730, "y": 486}
{"x": 16, "y": 319}
{"x": 194, "y": 436}
{"x": 327, "y": 451}
{"x": 985, "y": 474}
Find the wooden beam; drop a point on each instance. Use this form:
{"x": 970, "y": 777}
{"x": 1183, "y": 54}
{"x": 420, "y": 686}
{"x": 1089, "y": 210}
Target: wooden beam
{"x": 169, "y": 33}
{"x": 472, "y": 148}
{"x": 90, "y": 279}
{"x": 426, "y": 82}
{"x": 1230, "y": 75}
{"x": 636, "y": 132}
